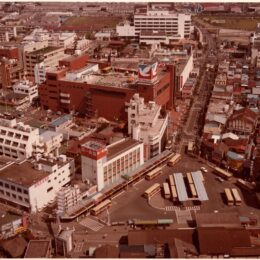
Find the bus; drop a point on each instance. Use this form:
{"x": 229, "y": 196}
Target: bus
{"x": 189, "y": 177}
{"x": 171, "y": 180}
{"x": 174, "y": 160}
{"x": 166, "y": 190}
{"x": 237, "y": 197}
{"x": 174, "y": 194}
{"x": 193, "y": 191}
{"x": 229, "y": 197}
{"x": 222, "y": 173}
{"x": 245, "y": 185}
{"x": 153, "y": 174}
{"x": 100, "y": 207}
{"x": 152, "y": 190}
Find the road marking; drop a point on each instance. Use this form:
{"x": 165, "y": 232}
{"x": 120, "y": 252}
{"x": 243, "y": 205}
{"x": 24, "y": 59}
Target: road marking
{"x": 91, "y": 224}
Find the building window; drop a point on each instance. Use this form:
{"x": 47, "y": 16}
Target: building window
{"x": 20, "y": 197}
{"x": 8, "y": 194}
{"x": 14, "y": 196}
{"x": 19, "y": 189}
{"x": 1, "y": 184}
{"x": 25, "y": 191}
{"x": 7, "y": 185}
{"x": 12, "y": 187}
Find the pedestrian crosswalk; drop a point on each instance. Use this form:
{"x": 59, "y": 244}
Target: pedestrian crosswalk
{"x": 172, "y": 208}
{"x": 91, "y": 224}
{"x": 175, "y": 208}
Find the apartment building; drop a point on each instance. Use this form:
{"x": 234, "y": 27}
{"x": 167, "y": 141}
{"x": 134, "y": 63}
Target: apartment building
{"x": 146, "y": 125}
{"x": 68, "y": 197}
{"x": 20, "y": 141}
{"x": 49, "y": 55}
{"x": 31, "y": 186}
{"x": 7, "y": 32}
{"x": 16, "y": 139}
{"x": 104, "y": 165}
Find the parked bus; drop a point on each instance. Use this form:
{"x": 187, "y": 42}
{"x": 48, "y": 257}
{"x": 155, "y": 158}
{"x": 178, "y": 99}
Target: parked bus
{"x": 245, "y": 185}
{"x": 100, "y": 207}
{"x": 193, "y": 191}
{"x": 237, "y": 197}
{"x": 229, "y": 197}
{"x": 174, "y": 160}
{"x": 152, "y": 190}
{"x": 166, "y": 190}
{"x": 153, "y": 174}
{"x": 174, "y": 194}
{"x": 171, "y": 180}
{"x": 189, "y": 177}
{"x": 222, "y": 173}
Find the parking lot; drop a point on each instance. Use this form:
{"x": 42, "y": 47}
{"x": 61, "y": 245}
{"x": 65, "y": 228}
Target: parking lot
{"x": 132, "y": 204}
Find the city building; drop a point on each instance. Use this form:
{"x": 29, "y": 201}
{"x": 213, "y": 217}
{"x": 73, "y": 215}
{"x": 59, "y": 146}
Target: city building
{"x": 243, "y": 122}
{"x": 104, "y": 165}
{"x": 11, "y": 66}
{"x": 68, "y": 197}
{"x": 92, "y": 89}
{"x": 26, "y": 87}
{"x": 57, "y": 39}
{"x": 32, "y": 185}
{"x": 7, "y": 32}
{"x": 17, "y": 139}
{"x": 164, "y": 25}
{"x": 49, "y": 55}
{"x": 10, "y": 224}
{"x": 146, "y": 124}
{"x": 38, "y": 249}
{"x": 64, "y": 242}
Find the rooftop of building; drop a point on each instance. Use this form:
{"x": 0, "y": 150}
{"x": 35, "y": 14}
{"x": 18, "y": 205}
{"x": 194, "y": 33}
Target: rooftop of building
{"x": 23, "y": 174}
{"x": 37, "y": 249}
{"x": 120, "y": 147}
{"x": 45, "y": 50}
{"x": 7, "y": 217}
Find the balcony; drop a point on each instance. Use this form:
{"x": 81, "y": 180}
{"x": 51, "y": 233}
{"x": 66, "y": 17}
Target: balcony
{"x": 65, "y": 101}
{"x": 66, "y": 95}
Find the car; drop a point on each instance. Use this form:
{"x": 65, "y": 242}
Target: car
{"x": 219, "y": 179}
{"x": 204, "y": 169}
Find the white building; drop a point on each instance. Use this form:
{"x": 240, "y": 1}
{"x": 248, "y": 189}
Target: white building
{"x": 125, "y": 30}
{"x": 104, "y": 165}
{"x": 68, "y": 197}
{"x": 146, "y": 125}
{"x": 175, "y": 25}
{"x": 49, "y": 55}
{"x": 49, "y": 142}
{"x": 57, "y": 39}
{"x": 26, "y": 87}
{"x": 40, "y": 71}
{"x": 17, "y": 139}
{"x": 32, "y": 186}
{"x": 20, "y": 141}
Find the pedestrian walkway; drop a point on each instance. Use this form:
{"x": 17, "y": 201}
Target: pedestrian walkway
{"x": 91, "y": 224}
{"x": 192, "y": 208}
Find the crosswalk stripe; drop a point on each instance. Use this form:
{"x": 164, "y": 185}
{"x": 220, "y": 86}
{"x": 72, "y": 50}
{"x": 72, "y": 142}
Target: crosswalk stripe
{"x": 91, "y": 224}
{"x": 175, "y": 208}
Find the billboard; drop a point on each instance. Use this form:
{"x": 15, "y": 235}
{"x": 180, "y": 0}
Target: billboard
{"x": 147, "y": 71}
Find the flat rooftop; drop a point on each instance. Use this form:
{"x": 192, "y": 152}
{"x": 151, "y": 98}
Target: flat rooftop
{"x": 121, "y": 147}
{"x": 23, "y": 174}
{"x": 45, "y": 50}
{"x": 37, "y": 249}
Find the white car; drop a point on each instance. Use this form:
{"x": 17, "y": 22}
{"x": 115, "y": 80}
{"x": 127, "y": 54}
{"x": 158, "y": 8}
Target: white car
{"x": 204, "y": 169}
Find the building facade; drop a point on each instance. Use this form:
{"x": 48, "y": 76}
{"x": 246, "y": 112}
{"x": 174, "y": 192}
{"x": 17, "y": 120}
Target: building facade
{"x": 31, "y": 186}
{"x": 146, "y": 124}
{"x": 104, "y": 165}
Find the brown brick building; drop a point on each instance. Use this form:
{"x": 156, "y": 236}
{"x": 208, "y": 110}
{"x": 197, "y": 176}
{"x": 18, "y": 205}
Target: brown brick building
{"x": 101, "y": 90}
